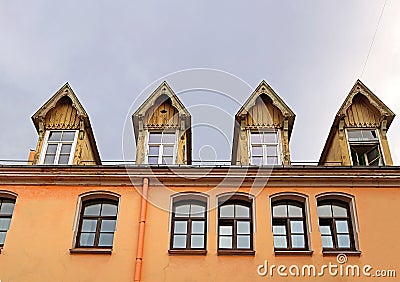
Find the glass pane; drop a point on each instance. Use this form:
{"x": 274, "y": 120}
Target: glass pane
{"x": 68, "y": 136}
{"x": 63, "y": 159}
{"x": 92, "y": 210}
{"x": 198, "y": 227}
{"x": 297, "y": 226}
{"x": 343, "y": 241}
{"x": 155, "y": 138}
{"x": 2, "y": 237}
{"x": 272, "y": 151}
{"x": 325, "y": 230}
{"x": 339, "y": 211}
{"x": 66, "y": 149}
{"x": 182, "y": 211}
{"x": 89, "y": 225}
{"x": 256, "y": 151}
{"x": 226, "y": 211}
{"x": 106, "y": 239}
{"x": 324, "y": 211}
{"x": 168, "y": 150}
{"x": 225, "y": 242}
{"x": 153, "y": 160}
{"x": 279, "y": 230}
{"x": 55, "y": 136}
{"x": 369, "y": 135}
{"x": 49, "y": 159}
{"x": 354, "y": 135}
{"x": 257, "y": 161}
{"x": 179, "y": 241}
{"x": 225, "y": 230}
{"x": 341, "y": 226}
{"x": 327, "y": 242}
{"x": 180, "y": 227}
{"x": 243, "y": 227}
{"x": 298, "y": 241}
{"x": 279, "y": 211}
{"x": 256, "y": 138}
{"x": 280, "y": 242}
{"x": 4, "y": 223}
{"x": 87, "y": 239}
{"x": 295, "y": 211}
{"x": 169, "y": 138}
{"x": 197, "y": 211}
{"x": 197, "y": 242}
{"x": 243, "y": 242}
{"x": 109, "y": 210}
{"x": 7, "y": 207}
{"x": 153, "y": 150}
{"x": 51, "y": 149}
{"x": 167, "y": 160}
{"x": 270, "y": 137}
{"x": 108, "y": 225}
{"x": 272, "y": 160}
{"x": 242, "y": 211}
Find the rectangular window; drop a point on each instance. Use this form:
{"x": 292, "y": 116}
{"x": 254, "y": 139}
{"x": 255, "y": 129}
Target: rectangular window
{"x": 6, "y": 211}
{"x": 264, "y": 148}
{"x": 161, "y": 148}
{"x": 364, "y": 147}
{"x": 59, "y": 147}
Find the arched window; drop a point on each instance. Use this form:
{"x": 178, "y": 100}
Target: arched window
{"x": 6, "y": 211}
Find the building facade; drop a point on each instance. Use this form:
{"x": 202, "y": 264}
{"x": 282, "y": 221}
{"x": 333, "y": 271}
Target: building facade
{"x": 66, "y": 217}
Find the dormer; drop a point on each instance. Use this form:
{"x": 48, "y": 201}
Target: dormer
{"x": 162, "y": 128}
{"x": 65, "y": 133}
{"x": 263, "y": 127}
{"x": 358, "y": 134}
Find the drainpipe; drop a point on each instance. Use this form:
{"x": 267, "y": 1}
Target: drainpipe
{"x": 142, "y": 221}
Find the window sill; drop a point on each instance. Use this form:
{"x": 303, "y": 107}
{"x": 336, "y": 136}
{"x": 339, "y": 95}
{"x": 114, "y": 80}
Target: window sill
{"x": 236, "y": 252}
{"x": 293, "y": 253}
{"x": 106, "y": 251}
{"x": 188, "y": 252}
{"x": 338, "y": 252}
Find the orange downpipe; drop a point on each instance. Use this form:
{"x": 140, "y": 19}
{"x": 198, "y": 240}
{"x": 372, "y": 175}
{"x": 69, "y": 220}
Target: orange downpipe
{"x": 142, "y": 221}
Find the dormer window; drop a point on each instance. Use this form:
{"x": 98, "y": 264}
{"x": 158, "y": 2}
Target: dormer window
{"x": 364, "y": 147}
{"x": 264, "y": 148}
{"x": 59, "y": 147}
{"x": 161, "y": 148}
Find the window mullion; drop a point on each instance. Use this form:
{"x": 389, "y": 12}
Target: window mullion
{"x": 58, "y": 152}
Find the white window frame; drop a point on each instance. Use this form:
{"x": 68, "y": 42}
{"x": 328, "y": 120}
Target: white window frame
{"x": 161, "y": 146}
{"x": 264, "y": 146}
{"x": 46, "y": 143}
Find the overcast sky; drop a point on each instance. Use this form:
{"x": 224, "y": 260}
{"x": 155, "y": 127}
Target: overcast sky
{"x": 310, "y": 52}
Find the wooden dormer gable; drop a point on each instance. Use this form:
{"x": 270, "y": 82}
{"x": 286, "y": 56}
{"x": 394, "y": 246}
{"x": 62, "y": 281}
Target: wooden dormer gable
{"x": 163, "y": 113}
{"x": 264, "y": 111}
{"x": 362, "y": 111}
{"x": 63, "y": 113}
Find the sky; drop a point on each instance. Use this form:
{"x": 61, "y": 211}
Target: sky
{"x": 114, "y": 52}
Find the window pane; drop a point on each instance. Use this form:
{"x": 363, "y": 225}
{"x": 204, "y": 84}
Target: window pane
{"x": 197, "y": 211}
{"x": 106, "y": 239}
{"x": 109, "y": 210}
{"x": 324, "y": 211}
{"x": 242, "y": 211}
{"x": 4, "y": 224}
{"x": 369, "y": 135}
{"x": 51, "y": 149}
{"x": 256, "y": 138}
{"x": 167, "y": 160}
{"x": 55, "y": 136}
{"x": 270, "y": 137}
{"x": 68, "y": 136}
{"x": 243, "y": 227}
{"x": 169, "y": 138}
{"x": 327, "y": 242}
{"x": 272, "y": 160}
{"x": 92, "y": 210}
{"x": 7, "y": 208}
{"x": 272, "y": 151}
{"x": 257, "y": 161}
{"x": 295, "y": 211}
{"x": 63, "y": 159}
{"x": 225, "y": 230}
{"x": 354, "y": 135}
{"x": 182, "y": 211}
{"x": 87, "y": 239}
{"x": 279, "y": 229}
{"x": 180, "y": 227}
{"x": 155, "y": 138}
{"x": 280, "y": 242}
{"x": 343, "y": 241}
{"x": 298, "y": 241}
{"x": 225, "y": 242}
{"x": 297, "y": 226}
{"x": 197, "y": 242}
{"x": 179, "y": 241}
{"x": 168, "y": 150}
{"x": 243, "y": 242}
{"x": 49, "y": 159}
{"x": 153, "y": 160}
{"x": 325, "y": 230}
{"x": 89, "y": 225}
{"x": 66, "y": 149}
{"x": 198, "y": 227}
{"x": 339, "y": 211}
{"x": 226, "y": 211}
{"x": 108, "y": 225}
{"x": 341, "y": 226}
{"x": 153, "y": 150}
{"x": 256, "y": 151}
{"x": 2, "y": 237}
{"x": 279, "y": 211}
